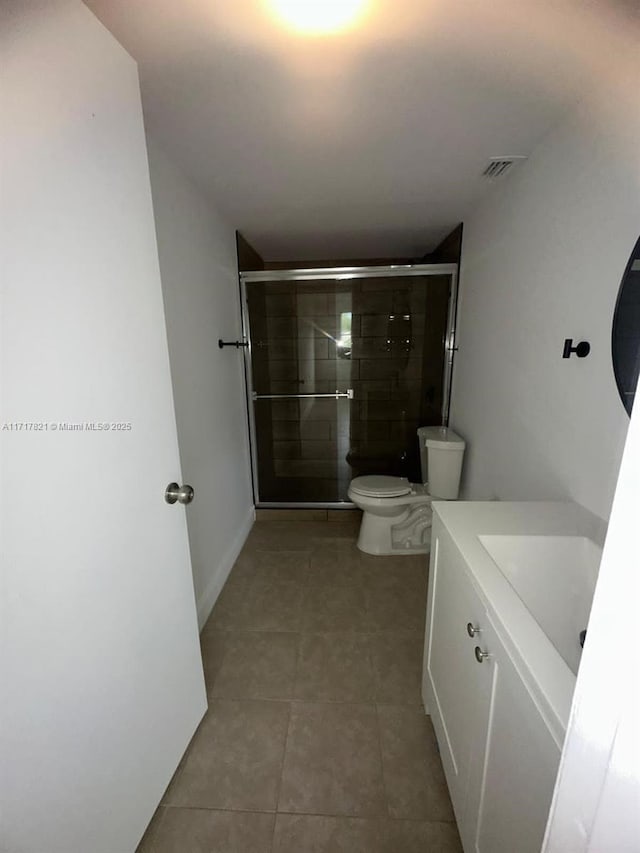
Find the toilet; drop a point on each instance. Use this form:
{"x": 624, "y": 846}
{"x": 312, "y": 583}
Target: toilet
{"x": 396, "y": 513}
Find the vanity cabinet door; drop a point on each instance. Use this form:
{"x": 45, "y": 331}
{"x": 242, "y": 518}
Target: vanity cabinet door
{"x": 513, "y": 775}
{"x": 455, "y": 688}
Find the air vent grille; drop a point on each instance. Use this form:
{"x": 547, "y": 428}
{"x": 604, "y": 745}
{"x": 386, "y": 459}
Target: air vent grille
{"x": 498, "y": 167}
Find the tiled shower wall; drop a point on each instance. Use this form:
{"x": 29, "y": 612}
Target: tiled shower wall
{"x": 382, "y": 337}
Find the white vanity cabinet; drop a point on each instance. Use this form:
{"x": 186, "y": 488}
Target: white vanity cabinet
{"x": 499, "y": 755}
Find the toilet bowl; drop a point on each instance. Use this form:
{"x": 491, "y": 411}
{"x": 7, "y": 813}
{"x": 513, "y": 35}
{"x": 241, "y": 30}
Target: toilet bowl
{"x": 396, "y": 513}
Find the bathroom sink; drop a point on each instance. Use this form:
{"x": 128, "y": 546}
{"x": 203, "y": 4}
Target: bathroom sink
{"x": 555, "y": 578}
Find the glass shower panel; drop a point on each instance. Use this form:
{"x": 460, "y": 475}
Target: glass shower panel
{"x": 375, "y": 347}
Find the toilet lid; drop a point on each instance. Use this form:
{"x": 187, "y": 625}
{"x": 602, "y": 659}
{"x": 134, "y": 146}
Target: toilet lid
{"x": 381, "y": 486}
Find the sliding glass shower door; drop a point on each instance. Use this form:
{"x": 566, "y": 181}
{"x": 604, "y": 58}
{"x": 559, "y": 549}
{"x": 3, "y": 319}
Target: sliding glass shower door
{"x": 343, "y": 366}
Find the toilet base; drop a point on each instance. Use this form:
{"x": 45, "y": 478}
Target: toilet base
{"x": 407, "y": 534}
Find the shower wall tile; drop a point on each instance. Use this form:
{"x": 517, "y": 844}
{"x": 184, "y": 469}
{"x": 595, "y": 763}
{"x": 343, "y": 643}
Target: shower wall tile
{"x": 279, "y": 287}
{"x": 321, "y": 348}
{"x": 374, "y": 389}
{"x": 374, "y": 325}
{"x": 281, "y": 410}
{"x": 373, "y": 302}
{"x": 318, "y": 449}
{"x": 369, "y": 285}
{"x": 281, "y": 327}
{"x": 311, "y": 348}
{"x": 305, "y": 468}
{"x": 349, "y": 369}
{"x": 279, "y": 348}
{"x": 388, "y": 410}
{"x": 402, "y": 431}
{"x": 410, "y": 368}
{"x": 318, "y": 430}
{"x": 301, "y": 386}
{"x": 286, "y": 450}
{"x": 382, "y": 449}
{"x": 374, "y": 431}
{"x": 333, "y": 369}
{"x": 281, "y": 370}
{"x": 326, "y": 409}
{"x": 318, "y": 326}
{"x": 410, "y": 389}
{"x": 280, "y": 305}
{"x": 314, "y": 304}
{"x": 286, "y": 430}
{"x": 303, "y": 327}
{"x": 418, "y": 301}
{"x": 371, "y": 348}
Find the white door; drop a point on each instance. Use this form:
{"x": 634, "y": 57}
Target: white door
{"x": 101, "y": 678}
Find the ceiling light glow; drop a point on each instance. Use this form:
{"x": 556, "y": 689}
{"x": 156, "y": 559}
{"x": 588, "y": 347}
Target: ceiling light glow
{"x": 318, "y": 17}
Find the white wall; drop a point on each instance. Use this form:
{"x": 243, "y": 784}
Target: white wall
{"x": 543, "y": 257}
{"x": 200, "y": 286}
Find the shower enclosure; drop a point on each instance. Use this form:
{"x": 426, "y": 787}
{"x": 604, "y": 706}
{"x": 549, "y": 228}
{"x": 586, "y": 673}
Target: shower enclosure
{"x": 343, "y": 365}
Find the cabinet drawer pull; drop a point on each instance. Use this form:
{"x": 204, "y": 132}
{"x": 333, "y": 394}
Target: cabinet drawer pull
{"x": 480, "y": 655}
{"x": 471, "y": 631}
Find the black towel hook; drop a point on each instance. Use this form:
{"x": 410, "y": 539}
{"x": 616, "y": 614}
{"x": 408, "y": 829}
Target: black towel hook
{"x": 581, "y": 350}
{"x": 236, "y": 344}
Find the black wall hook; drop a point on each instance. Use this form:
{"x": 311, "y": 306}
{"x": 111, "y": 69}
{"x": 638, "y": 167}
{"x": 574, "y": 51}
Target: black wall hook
{"x": 236, "y": 344}
{"x": 582, "y": 349}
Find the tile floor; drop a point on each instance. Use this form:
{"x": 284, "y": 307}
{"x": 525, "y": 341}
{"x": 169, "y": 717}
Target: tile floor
{"x": 315, "y": 738}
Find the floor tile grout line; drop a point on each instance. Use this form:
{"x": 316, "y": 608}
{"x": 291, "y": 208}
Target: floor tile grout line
{"x": 275, "y": 813}
{"x": 371, "y": 817}
{"x": 219, "y": 809}
{"x": 273, "y": 832}
{"x": 384, "y": 780}
{"x": 298, "y": 700}
{"x": 284, "y": 755}
{"x": 297, "y": 668}
{"x": 376, "y": 685}
{"x": 398, "y": 632}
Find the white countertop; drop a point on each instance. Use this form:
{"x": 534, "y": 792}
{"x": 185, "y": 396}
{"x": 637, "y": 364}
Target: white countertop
{"x": 548, "y": 677}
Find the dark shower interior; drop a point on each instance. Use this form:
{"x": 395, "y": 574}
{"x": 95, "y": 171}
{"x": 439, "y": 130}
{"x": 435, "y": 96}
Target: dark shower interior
{"x": 383, "y": 337}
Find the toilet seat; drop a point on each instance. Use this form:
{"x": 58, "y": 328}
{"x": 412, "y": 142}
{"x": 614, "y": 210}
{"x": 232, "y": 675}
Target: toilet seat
{"x": 380, "y": 486}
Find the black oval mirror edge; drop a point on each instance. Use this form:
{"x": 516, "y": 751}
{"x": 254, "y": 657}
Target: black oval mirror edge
{"x": 625, "y": 331}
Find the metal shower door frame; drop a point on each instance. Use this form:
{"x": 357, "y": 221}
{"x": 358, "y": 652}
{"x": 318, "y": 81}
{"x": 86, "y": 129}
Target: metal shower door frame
{"x": 339, "y": 274}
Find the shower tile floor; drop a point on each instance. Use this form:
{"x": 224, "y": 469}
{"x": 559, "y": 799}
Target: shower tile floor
{"x": 315, "y": 738}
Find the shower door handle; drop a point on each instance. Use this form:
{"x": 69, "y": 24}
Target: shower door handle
{"x": 348, "y": 394}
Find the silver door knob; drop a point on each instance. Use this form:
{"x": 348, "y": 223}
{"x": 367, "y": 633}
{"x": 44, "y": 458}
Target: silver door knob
{"x": 471, "y": 631}
{"x": 480, "y": 655}
{"x": 182, "y": 494}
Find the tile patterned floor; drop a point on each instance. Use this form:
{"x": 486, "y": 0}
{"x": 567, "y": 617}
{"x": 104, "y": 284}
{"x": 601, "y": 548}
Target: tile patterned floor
{"x": 315, "y": 740}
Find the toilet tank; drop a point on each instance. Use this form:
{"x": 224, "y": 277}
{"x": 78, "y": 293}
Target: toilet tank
{"x": 441, "y": 454}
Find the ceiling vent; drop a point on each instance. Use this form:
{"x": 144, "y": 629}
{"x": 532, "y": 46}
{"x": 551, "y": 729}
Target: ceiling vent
{"x": 498, "y": 167}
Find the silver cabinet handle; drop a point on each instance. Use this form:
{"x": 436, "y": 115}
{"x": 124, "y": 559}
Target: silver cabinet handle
{"x": 182, "y": 494}
{"x": 480, "y": 655}
{"x": 471, "y": 631}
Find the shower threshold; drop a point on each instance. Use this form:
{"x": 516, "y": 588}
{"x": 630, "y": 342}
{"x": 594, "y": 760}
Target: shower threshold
{"x": 346, "y": 505}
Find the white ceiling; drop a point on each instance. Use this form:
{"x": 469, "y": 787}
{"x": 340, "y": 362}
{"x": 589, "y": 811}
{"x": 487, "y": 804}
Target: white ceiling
{"x": 367, "y": 144}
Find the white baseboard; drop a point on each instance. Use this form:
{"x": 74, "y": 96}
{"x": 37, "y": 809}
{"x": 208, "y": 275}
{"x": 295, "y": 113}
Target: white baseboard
{"x": 221, "y": 573}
